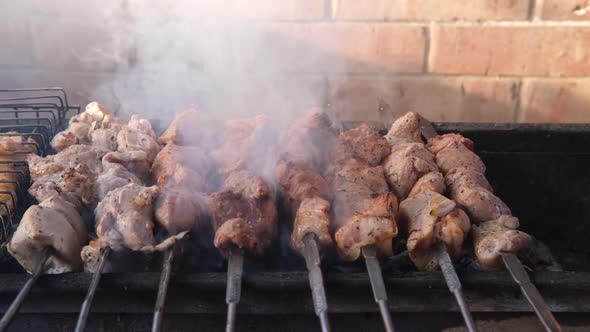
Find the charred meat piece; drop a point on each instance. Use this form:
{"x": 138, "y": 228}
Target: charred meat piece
{"x": 244, "y": 213}
{"x": 54, "y": 224}
{"x": 405, "y": 165}
{"x": 492, "y": 237}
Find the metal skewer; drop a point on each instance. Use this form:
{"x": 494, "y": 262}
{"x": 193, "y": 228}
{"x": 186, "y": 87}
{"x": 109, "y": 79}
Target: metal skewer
{"x": 316, "y": 280}
{"x": 379, "y": 292}
{"x": 514, "y": 266}
{"x": 235, "y": 269}
{"x": 454, "y": 284}
{"x": 83, "y": 317}
{"x": 521, "y": 277}
{"x": 163, "y": 290}
{"x": 20, "y": 297}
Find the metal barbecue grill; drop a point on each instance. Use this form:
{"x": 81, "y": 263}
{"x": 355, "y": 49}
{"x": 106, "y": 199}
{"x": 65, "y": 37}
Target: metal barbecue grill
{"x": 541, "y": 171}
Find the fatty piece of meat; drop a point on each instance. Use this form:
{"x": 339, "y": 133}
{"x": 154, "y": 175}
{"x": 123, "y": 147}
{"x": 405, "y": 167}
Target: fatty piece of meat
{"x": 312, "y": 216}
{"x": 405, "y": 165}
{"x": 406, "y": 129}
{"x": 472, "y": 191}
{"x": 364, "y": 209}
{"x": 428, "y": 217}
{"x": 363, "y": 143}
{"x": 191, "y": 127}
{"x": 492, "y": 237}
{"x": 244, "y": 213}
{"x": 246, "y": 146}
{"x": 138, "y": 135}
{"x": 56, "y": 225}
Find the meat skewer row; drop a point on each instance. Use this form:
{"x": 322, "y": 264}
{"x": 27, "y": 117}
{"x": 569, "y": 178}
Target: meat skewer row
{"x": 181, "y": 170}
{"x": 495, "y": 236}
{"x": 244, "y": 214}
{"x": 364, "y": 209}
{"x": 307, "y": 196}
{"x": 435, "y": 227}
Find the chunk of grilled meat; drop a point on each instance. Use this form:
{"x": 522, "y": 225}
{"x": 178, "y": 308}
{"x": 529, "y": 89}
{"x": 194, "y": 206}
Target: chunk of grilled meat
{"x": 405, "y": 165}
{"x": 304, "y": 152}
{"x": 464, "y": 174}
{"x": 54, "y": 224}
{"x": 472, "y": 191}
{"x": 75, "y": 184}
{"x": 244, "y": 213}
{"x": 179, "y": 209}
{"x": 116, "y": 171}
{"x": 363, "y": 143}
{"x": 406, "y": 129}
{"x": 138, "y": 135}
{"x": 68, "y": 158}
{"x": 492, "y": 237}
{"x": 364, "y": 209}
{"x": 13, "y": 150}
{"x": 246, "y": 146}
{"x": 181, "y": 130}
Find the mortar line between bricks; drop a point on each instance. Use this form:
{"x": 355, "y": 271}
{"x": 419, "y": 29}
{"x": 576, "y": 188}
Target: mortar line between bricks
{"x": 420, "y": 23}
{"x": 531, "y": 10}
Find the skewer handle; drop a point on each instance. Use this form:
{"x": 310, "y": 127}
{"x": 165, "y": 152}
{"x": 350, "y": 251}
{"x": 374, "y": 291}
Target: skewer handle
{"x": 83, "y": 317}
{"x": 20, "y": 297}
{"x": 235, "y": 269}
{"x": 454, "y": 284}
{"x": 163, "y": 290}
{"x": 316, "y": 281}
{"x": 521, "y": 277}
{"x": 377, "y": 284}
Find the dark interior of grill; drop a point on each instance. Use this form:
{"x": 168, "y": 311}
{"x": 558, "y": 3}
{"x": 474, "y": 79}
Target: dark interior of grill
{"x": 541, "y": 172}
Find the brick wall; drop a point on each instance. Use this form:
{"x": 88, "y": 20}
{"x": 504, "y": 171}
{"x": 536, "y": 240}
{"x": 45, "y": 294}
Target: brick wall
{"x": 460, "y": 60}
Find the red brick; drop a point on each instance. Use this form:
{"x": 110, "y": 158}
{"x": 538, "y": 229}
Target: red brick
{"x": 565, "y": 10}
{"x": 555, "y": 100}
{"x": 439, "y": 99}
{"x": 69, "y": 45}
{"x": 427, "y": 10}
{"x": 510, "y": 50}
{"x": 16, "y": 43}
{"x": 337, "y": 47}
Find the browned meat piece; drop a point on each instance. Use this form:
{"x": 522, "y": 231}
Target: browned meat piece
{"x": 428, "y": 217}
{"x": 138, "y": 135}
{"x": 406, "y": 129}
{"x": 191, "y": 157}
{"x": 433, "y": 181}
{"x": 492, "y": 237}
{"x": 244, "y": 213}
{"x": 364, "y": 209}
{"x": 298, "y": 184}
{"x": 178, "y": 209}
{"x": 363, "y": 143}
{"x": 313, "y": 216}
{"x": 472, "y": 191}
{"x": 68, "y": 158}
{"x": 182, "y": 130}
{"x": 405, "y": 165}
{"x": 75, "y": 184}
{"x": 246, "y": 146}
{"x": 54, "y": 224}
{"x": 452, "y": 151}
{"x": 304, "y": 152}
{"x": 136, "y": 162}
